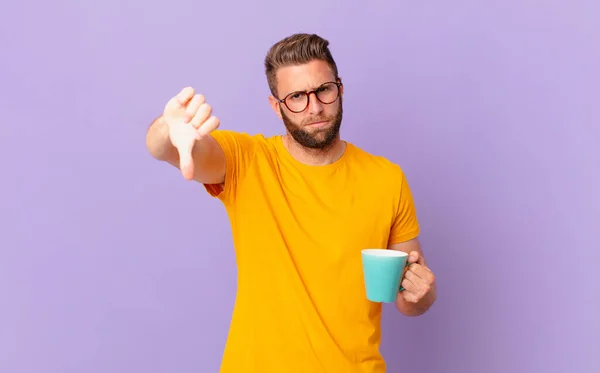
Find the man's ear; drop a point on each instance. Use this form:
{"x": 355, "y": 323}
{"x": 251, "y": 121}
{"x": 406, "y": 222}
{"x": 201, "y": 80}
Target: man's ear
{"x": 275, "y": 106}
{"x": 342, "y": 86}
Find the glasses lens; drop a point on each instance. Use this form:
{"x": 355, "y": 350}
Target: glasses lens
{"x": 327, "y": 93}
{"x": 297, "y": 101}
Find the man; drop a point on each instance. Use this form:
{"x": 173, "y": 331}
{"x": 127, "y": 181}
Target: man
{"x": 302, "y": 207}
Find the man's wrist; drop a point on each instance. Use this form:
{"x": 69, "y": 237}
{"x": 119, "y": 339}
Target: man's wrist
{"x": 415, "y": 309}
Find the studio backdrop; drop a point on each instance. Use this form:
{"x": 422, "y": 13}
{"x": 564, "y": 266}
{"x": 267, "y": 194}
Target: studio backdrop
{"x": 111, "y": 262}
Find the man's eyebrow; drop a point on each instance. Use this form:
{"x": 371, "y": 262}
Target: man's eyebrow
{"x": 309, "y": 89}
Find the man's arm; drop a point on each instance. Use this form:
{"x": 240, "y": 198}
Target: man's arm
{"x": 205, "y": 161}
{"x": 419, "y": 292}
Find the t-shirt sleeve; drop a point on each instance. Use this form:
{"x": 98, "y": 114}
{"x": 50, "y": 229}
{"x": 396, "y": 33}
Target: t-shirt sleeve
{"x": 239, "y": 149}
{"x": 405, "y": 225}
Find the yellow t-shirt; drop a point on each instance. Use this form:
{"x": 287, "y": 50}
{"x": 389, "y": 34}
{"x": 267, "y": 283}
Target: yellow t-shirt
{"x": 298, "y": 232}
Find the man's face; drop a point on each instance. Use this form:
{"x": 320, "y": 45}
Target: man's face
{"x": 318, "y": 124}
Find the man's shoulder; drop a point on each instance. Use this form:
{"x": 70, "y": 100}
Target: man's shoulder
{"x": 253, "y": 141}
{"x": 373, "y": 161}
{"x": 239, "y": 135}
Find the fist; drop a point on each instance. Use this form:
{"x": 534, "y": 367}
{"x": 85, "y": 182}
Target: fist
{"x": 189, "y": 119}
{"x": 418, "y": 279}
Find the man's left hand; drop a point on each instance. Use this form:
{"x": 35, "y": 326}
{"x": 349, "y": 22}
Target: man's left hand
{"x": 418, "y": 280}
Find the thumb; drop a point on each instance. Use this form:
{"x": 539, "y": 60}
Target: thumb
{"x": 415, "y": 257}
{"x": 186, "y": 162}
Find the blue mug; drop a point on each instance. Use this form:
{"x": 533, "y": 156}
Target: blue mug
{"x": 383, "y": 272}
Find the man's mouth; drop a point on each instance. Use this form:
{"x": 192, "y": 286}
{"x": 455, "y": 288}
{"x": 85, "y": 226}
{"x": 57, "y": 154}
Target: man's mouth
{"x": 318, "y": 124}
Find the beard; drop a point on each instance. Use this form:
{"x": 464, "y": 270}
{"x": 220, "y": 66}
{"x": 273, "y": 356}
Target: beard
{"x": 321, "y": 138}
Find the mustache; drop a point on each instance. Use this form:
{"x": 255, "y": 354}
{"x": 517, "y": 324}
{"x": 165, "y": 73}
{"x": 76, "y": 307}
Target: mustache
{"x": 317, "y": 119}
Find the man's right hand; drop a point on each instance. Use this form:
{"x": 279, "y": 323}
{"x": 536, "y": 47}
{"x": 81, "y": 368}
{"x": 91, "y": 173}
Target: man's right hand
{"x": 189, "y": 119}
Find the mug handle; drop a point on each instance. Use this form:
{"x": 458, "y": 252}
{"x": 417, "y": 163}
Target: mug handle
{"x": 401, "y": 288}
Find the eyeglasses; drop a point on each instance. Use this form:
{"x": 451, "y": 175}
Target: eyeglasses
{"x": 298, "y": 101}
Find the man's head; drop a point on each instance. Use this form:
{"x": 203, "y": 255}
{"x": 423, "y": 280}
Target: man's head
{"x": 306, "y": 89}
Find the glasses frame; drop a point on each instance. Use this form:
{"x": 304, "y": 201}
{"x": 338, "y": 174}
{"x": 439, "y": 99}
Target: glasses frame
{"x": 308, "y": 94}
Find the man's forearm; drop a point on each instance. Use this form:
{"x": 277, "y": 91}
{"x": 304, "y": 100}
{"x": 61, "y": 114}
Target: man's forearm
{"x": 419, "y": 308}
{"x": 157, "y": 140}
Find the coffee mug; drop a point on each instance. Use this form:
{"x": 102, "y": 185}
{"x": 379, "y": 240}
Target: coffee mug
{"x": 383, "y": 271}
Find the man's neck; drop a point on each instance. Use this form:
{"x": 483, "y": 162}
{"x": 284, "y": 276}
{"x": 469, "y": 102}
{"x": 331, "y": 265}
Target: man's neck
{"x": 315, "y": 157}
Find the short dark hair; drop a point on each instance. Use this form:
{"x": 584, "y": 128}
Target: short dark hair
{"x": 295, "y": 50}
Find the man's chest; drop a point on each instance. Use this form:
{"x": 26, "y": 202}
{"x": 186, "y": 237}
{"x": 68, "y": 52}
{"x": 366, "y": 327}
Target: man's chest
{"x": 340, "y": 210}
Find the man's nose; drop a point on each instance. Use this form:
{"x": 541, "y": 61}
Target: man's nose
{"x": 314, "y": 105}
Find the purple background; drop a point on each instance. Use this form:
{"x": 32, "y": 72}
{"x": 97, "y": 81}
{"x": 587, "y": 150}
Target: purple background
{"x": 111, "y": 262}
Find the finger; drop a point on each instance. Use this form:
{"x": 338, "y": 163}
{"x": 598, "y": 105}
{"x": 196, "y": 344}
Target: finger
{"x": 413, "y": 277}
{"x": 410, "y": 297}
{"x": 409, "y": 286}
{"x": 193, "y": 106}
{"x": 422, "y": 285}
{"x": 414, "y": 288}
{"x": 208, "y": 126}
{"x": 186, "y": 162}
{"x": 202, "y": 113}
{"x": 185, "y": 95}
{"x": 413, "y": 257}
{"x": 419, "y": 270}
{"x": 416, "y": 257}
{"x": 180, "y": 100}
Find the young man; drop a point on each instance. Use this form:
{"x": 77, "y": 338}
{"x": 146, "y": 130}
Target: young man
{"x": 302, "y": 207}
